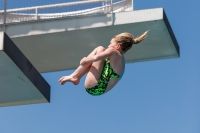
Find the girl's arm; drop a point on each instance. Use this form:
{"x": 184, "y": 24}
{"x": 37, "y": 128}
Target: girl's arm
{"x": 108, "y": 52}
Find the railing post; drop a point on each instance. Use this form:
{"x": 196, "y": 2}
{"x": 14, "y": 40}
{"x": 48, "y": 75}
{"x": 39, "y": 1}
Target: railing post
{"x": 111, "y": 5}
{"x": 4, "y": 19}
{"x": 132, "y": 5}
{"x": 103, "y": 6}
{"x": 36, "y": 13}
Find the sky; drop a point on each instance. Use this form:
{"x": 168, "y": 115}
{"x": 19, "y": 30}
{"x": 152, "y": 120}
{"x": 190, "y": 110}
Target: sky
{"x": 160, "y": 96}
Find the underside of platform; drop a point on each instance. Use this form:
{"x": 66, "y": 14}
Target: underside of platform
{"x": 20, "y": 83}
{"x": 59, "y": 44}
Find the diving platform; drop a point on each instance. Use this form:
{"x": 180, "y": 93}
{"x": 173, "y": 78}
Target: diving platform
{"x": 20, "y": 82}
{"x": 59, "y": 44}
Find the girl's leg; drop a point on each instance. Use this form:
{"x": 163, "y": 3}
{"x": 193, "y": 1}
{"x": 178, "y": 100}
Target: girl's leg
{"x": 80, "y": 71}
{"x": 94, "y": 72}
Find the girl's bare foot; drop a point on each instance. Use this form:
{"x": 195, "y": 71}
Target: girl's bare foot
{"x": 70, "y": 78}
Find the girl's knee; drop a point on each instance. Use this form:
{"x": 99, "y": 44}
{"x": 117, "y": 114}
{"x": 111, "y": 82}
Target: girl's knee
{"x": 101, "y": 48}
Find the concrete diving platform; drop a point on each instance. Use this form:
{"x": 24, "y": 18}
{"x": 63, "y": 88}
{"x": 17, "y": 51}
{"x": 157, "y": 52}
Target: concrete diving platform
{"x": 59, "y": 44}
{"x": 20, "y": 82}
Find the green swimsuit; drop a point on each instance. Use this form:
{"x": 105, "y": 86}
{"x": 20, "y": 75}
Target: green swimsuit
{"x": 107, "y": 74}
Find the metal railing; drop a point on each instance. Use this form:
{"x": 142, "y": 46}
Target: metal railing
{"x": 31, "y": 13}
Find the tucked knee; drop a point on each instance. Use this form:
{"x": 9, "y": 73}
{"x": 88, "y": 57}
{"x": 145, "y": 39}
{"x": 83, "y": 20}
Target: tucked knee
{"x": 100, "y": 48}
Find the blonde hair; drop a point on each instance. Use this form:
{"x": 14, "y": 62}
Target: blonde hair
{"x": 126, "y": 40}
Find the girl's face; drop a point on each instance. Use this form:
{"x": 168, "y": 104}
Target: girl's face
{"x": 113, "y": 44}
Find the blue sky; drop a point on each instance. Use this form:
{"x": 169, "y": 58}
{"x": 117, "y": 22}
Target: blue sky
{"x": 153, "y": 97}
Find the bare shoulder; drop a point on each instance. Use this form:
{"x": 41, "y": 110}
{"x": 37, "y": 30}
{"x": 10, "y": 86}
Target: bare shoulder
{"x": 111, "y": 50}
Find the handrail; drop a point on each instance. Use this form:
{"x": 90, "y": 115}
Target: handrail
{"x": 13, "y": 15}
{"x": 79, "y": 12}
{"x": 52, "y": 6}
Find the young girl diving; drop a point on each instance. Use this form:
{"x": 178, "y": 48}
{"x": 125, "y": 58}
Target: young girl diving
{"x": 104, "y": 66}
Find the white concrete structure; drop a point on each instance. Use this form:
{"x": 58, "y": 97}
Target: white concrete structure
{"x": 59, "y": 44}
{"x": 20, "y": 83}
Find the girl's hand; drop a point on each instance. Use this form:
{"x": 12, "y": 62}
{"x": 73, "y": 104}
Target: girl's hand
{"x": 83, "y": 61}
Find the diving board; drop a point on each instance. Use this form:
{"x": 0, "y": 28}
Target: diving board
{"x": 20, "y": 82}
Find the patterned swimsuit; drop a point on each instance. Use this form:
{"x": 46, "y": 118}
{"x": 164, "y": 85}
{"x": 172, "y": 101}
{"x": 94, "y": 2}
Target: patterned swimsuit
{"x": 107, "y": 74}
